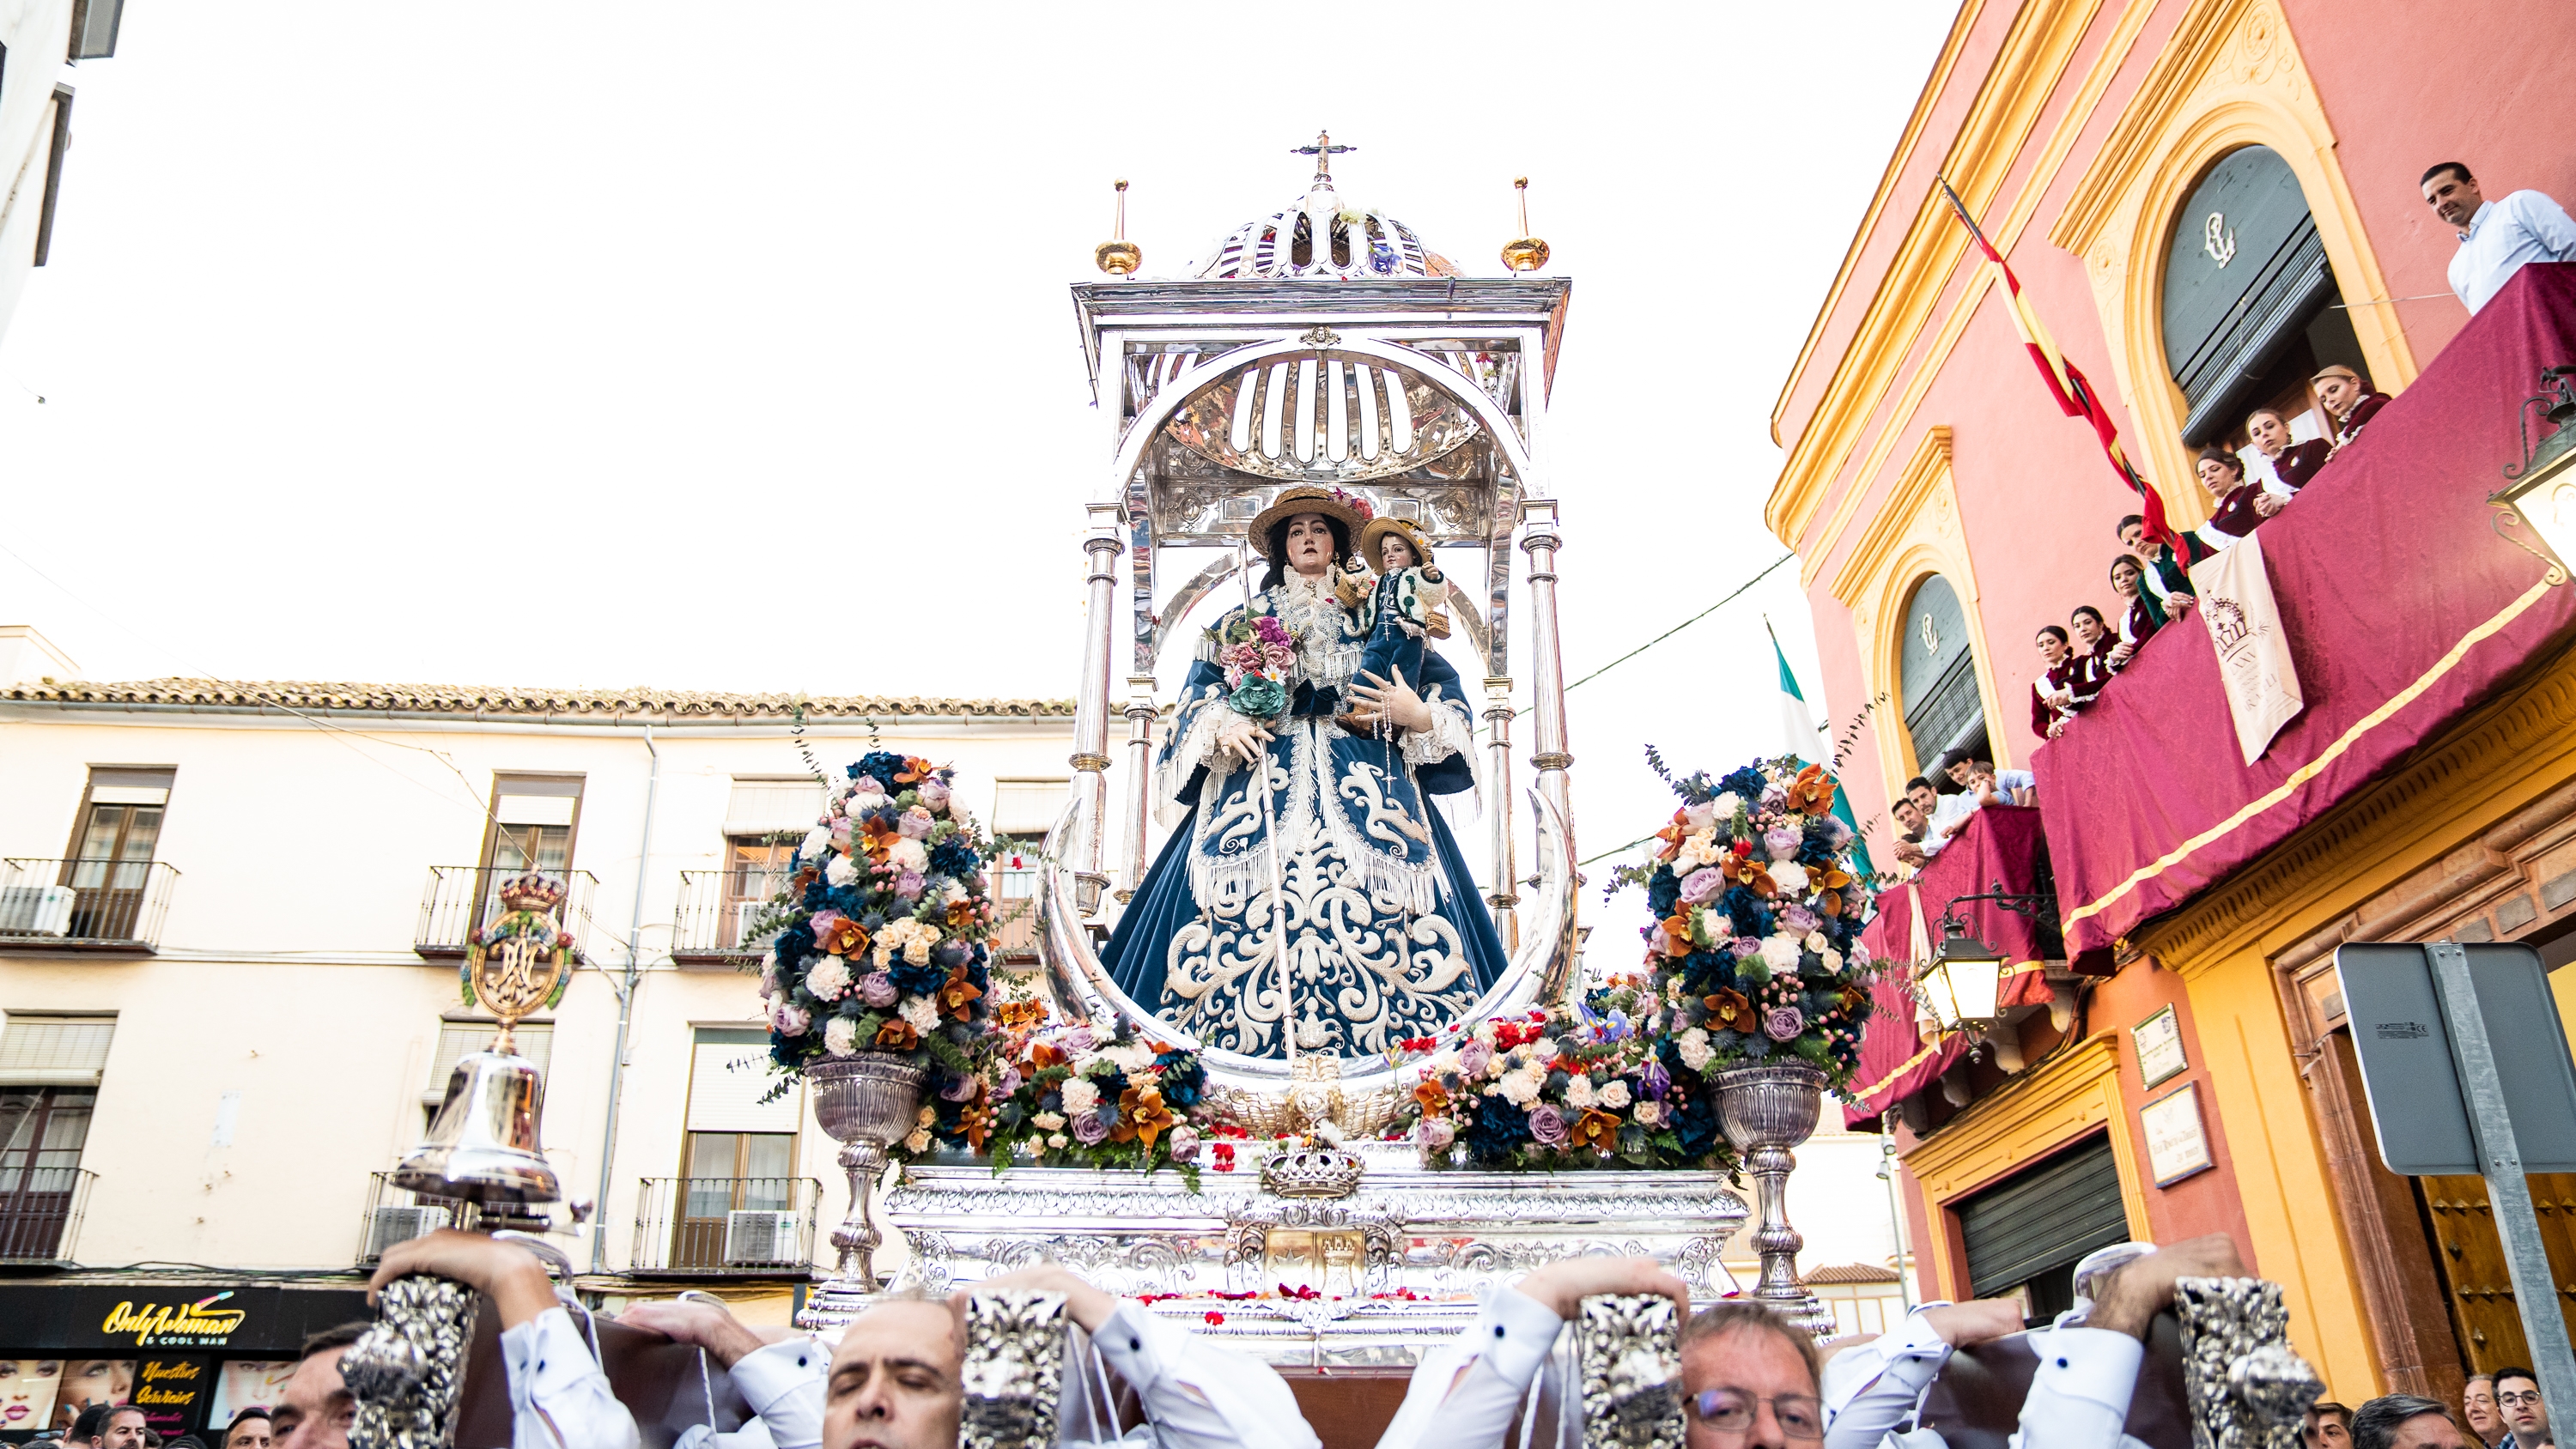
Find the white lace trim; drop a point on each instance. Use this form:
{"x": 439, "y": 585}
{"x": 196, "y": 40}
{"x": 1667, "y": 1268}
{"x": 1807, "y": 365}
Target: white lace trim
{"x": 1452, "y": 732}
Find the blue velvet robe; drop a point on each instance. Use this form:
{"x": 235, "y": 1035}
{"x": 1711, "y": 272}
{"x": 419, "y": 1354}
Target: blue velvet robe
{"x": 1387, "y": 937}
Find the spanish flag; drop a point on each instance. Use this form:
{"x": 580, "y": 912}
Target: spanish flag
{"x": 2067, "y": 382}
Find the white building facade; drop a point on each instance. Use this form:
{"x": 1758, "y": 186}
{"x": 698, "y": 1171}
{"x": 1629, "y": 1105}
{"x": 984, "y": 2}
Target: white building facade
{"x": 39, "y": 40}
{"x": 231, "y": 922}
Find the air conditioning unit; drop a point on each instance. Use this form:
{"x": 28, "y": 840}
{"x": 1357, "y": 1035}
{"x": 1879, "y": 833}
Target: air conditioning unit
{"x": 36, "y": 910}
{"x": 759, "y": 1238}
{"x": 391, "y": 1225}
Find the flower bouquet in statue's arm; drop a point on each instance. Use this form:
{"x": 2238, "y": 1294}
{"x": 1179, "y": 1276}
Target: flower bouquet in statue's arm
{"x": 885, "y": 945}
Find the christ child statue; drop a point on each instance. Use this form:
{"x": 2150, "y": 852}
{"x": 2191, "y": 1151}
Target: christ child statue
{"x": 1400, "y": 609}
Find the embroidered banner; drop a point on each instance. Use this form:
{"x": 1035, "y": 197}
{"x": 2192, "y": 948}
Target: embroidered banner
{"x": 2253, "y": 654}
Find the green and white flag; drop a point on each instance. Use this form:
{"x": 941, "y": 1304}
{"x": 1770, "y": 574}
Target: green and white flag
{"x": 1800, "y": 737}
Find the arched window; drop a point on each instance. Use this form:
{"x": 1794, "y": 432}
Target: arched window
{"x": 1938, "y": 673}
{"x": 2249, "y": 312}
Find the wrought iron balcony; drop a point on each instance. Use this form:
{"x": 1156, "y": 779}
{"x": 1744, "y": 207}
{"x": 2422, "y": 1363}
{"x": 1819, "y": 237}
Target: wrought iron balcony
{"x": 720, "y": 916}
{"x": 460, "y": 898}
{"x": 398, "y": 1215}
{"x": 40, "y": 1212}
{"x": 91, "y": 905}
{"x": 725, "y": 1226}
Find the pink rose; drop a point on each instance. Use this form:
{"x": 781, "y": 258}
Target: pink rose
{"x": 1183, "y": 1143}
{"x": 1782, "y": 1023}
{"x": 789, "y": 1020}
{"x": 1703, "y": 885}
{"x": 1547, "y": 1125}
{"x": 877, "y": 989}
{"x": 1473, "y": 1057}
{"x": 908, "y": 885}
{"x": 915, "y": 824}
{"x": 1089, "y": 1130}
{"x": 1435, "y": 1133}
{"x": 933, "y": 794}
{"x": 1781, "y": 843}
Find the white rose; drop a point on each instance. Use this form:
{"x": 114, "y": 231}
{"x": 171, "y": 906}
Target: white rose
{"x": 1520, "y": 1088}
{"x": 1694, "y": 1049}
{"x": 1578, "y": 1091}
{"x": 923, "y": 1013}
{"x": 861, "y": 804}
{"x": 1485, "y": 1032}
{"x": 1833, "y": 960}
{"x": 1614, "y": 1095}
{"x": 1649, "y": 1113}
{"x": 830, "y": 978}
{"x": 1725, "y": 806}
{"x": 815, "y": 841}
{"x": 1055, "y": 1139}
{"x": 918, "y": 1141}
{"x": 839, "y": 871}
{"x": 1702, "y": 849}
{"x": 1780, "y": 953}
{"x": 1080, "y": 1096}
{"x": 1048, "y": 1121}
{"x": 907, "y": 854}
{"x": 840, "y": 1036}
{"x": 1790, "y": 877}
{"x": 1700, "y": 817}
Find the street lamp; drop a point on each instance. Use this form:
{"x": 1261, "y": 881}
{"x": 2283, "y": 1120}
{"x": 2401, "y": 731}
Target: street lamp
{"x": 2542, "y": 490}
{"x": 1965, "y": 977}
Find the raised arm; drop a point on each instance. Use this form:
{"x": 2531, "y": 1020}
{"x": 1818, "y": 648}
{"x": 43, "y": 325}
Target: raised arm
{"x": 559, "y": 1399}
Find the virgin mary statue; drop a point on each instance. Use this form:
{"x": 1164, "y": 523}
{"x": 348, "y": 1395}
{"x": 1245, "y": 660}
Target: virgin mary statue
{"x": 1298, "y": 826}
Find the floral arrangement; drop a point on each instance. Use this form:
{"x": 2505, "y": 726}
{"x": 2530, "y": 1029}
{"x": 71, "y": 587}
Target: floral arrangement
{"x": 884, "y": 947}
{"x": 1256, "y": 651}
{"x": 1554, "y": 1091}
{"x": 1062, "y": 1096}
{"x": 1755, "y": 953}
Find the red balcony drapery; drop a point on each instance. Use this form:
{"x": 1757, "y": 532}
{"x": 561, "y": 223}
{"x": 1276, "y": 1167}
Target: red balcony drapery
{"x": 2403, "y": 608}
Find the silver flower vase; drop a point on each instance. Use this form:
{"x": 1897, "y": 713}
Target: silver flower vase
{"x": 1766, "y": 1111}
{"x": 867, "y": 1102}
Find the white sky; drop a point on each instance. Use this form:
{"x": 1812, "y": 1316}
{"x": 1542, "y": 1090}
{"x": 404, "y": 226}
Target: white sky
{"x": 605, "y": 344}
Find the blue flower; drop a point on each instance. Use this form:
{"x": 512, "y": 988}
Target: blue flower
{"x": 915, "y": 980}
{"x": 954, "y": 857}
{"x": 1184, "y": 1079}
{"x": 1498, "y": 1131}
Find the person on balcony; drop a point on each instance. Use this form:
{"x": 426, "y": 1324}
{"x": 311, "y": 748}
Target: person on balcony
{"x": 2496, "y": 237}
{"x": 2052, "y": 701}
{"x": 1942, "y": 814}
{"x": 1985, "y": 785}
{"x": 2241, "y": 506}
{"x": 2283, "y": 467}
{"x": 2160, "y": 574}
{"x": 2140, "y": 619}
{"x": 2093, "y": 644}
{"x": 2348, "y": 400}
{"x": 1912, "y": 828}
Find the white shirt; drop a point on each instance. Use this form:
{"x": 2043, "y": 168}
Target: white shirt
{"x": 1195, "y": 1394}
{"x": 1871, "y": 1388}
{"x": 2077, "y": 1400}
{"x": 2523, "y": 227}
{"x": 1500, "y": 1355}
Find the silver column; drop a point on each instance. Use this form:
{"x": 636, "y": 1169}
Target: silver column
{"x": 1140, "y": 782}
{"x": 1547, "y": 684}
{"x": 1091, "y": 707}
{"x": 1498, "y": 781}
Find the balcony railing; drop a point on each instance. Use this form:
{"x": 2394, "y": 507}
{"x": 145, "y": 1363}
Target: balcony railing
{"x": 97, "y": 905}
{"x": 40, "y": 1213}
{"x": 460, "y": 898}
{"x": 1015, "y": 932}
{"x": 719, "y": 916}
{"x": 398, "y": 1215}
{"x": 716, "y": 1226}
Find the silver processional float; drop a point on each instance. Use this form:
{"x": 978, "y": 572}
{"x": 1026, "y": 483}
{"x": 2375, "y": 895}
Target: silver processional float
{"x": 1322, "y": 344}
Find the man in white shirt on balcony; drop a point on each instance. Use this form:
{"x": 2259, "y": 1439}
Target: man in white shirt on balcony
{"x": 2496, "y": 237}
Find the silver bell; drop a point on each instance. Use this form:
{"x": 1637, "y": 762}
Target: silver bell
{"x": 482, "y": 1145}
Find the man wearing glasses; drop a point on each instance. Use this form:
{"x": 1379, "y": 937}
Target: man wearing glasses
{"x": 2517, "y": 1395}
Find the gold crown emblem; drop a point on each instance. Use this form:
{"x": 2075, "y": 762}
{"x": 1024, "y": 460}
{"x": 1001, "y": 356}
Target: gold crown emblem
{"x": 532, "y": 892}
{"x": 1312, "y": 1172}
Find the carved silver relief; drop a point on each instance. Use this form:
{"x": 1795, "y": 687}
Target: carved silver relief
{"x": 405, "y": 1372}
{"x": 1628, "y": 1349}
{"x": 1013, "y": 1370}
{"x": 2247, "y": 1387}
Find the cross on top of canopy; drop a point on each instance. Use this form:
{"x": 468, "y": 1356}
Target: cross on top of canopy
{"x": 1358, "y": 240}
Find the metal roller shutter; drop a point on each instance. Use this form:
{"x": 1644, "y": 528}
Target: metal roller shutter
{"x": 2045, "y": 1217}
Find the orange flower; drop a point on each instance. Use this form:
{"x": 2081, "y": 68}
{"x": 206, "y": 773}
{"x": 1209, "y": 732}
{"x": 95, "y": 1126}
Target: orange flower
{"x": 1671, "y": 835}
{"x": 1141, "y": 1114}
{"x": 845, "y": 938}
{"x": 915, "y": 770}
{"x": 805, "y": 877}
{"x": 1854, "y": 998}
{"x": 962, "y": 912}
{"x": 1596, "y": 1128}
{"x": 1678, "y": 926}
{"x": 1021, "y": 1013}
{"x": 957, "y": 993}
{"x": 897, "y": 1035}
{"x": 1432, "y": 1097}
{"x": 1812, "y": 792}
{"x": 977, "y": 1119}
{"x": 1829, "y": 904}
{"x": 1745, "y": 870}
{"x": 877, "y": 837}
{"x": 1043, "y": 1056}
{"x": 1729, "y": 1009}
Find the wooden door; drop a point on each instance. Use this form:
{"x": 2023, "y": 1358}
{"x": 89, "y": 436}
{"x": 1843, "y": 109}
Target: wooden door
{"x": 2471, "y": 1257}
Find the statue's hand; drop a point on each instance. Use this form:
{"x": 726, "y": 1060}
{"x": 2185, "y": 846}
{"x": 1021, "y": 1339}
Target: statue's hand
{"x": 1244, "y": 739}
{"x": 1393, "y": 699}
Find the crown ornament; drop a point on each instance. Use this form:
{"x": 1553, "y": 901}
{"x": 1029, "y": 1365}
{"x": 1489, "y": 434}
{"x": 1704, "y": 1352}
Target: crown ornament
{"x": 532, "y": 891}
{"x": 1312, "y": 1170}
